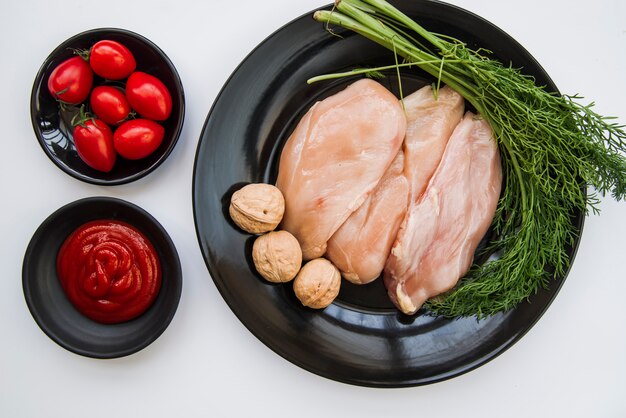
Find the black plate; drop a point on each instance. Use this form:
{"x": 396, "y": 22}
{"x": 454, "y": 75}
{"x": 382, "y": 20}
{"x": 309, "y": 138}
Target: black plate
{"x": 52, "y": 124}
{"x": 54, "y": 313}
{"x": 360, "y": 339}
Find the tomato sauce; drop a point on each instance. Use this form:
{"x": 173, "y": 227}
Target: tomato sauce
{"x": 109, "y": 271}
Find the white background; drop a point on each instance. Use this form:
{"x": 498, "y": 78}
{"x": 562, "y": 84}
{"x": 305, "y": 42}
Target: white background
{"x": 571, "y": 364}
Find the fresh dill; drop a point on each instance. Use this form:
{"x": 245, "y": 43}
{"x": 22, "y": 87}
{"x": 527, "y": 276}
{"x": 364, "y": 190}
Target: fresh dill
{"x": 551, "y": 147}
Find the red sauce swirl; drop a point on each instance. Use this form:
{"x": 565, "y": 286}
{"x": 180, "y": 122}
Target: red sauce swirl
{"x": 109, "y": 270}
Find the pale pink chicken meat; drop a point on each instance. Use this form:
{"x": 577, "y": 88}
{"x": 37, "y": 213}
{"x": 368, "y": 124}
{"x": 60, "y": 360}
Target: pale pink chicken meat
{"x": 430, "y": 122}
{"x": 435, "y": 245}
{"x": 360, "y": 247}
{"x": 335, "y": 157}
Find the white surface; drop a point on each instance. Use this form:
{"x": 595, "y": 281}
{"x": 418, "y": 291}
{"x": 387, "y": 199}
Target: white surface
{"x": 572, "y": 363}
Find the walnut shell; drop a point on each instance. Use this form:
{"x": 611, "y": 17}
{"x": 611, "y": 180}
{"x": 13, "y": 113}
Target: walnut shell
{"x": 257, "y": 208}
{"x": 317, "y": 283}
{"x": 277, "y": 256}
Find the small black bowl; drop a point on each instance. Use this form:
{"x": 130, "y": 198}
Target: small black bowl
{"x": 52, "y": 123}
{"x": 52, "y": 310}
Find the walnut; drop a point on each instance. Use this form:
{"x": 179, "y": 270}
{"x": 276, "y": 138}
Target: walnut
{"x": 317, "y": 283}
{"x": 277, "y": 256}
{"x": 257, "y": 208}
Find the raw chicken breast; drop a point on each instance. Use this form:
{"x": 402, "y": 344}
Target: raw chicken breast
{"x": 436, "y": 243}
{"x": 334, "y": 158}
{"x": 430, "y": 123}
{"x": 360, "y": 247}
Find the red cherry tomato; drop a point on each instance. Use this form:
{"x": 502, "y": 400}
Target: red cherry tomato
{"x": 138, "y": 138}
{"x": 109, "y": 104}
{"x": 148, "y": 96}
{"x": 71, "y": 80}
{"x": 111, "y": 60}
{"x": 94, "y": 142}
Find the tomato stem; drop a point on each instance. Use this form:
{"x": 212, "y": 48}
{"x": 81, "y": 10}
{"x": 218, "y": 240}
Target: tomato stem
{"x": 81, "y": 117}
{"x": 83, "y": 53}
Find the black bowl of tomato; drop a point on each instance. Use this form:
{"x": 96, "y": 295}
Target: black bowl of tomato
{"x": 107, "y": 106}
{"x": 86, "y": 281}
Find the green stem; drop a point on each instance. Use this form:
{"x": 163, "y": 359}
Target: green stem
{"x": 357, "y": 71}
{"x": 383, "y": 35}
{"x": 390, "y": 11}
{"x": 83, "y": 53}
{"x": 353, "y": 18}
{"x": 81, "y": 117}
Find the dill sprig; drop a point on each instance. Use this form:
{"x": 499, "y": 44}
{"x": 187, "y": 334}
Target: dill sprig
{"x": 551, "y": 147}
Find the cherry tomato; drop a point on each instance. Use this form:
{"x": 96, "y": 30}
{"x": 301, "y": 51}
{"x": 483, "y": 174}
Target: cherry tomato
{"x": 138, "y": 138}
{"x": 109, "y": 104}
{"x": 111, "y": 60}
{"x": 71, "y": 80}
{"x": 148, "y": 96}
{"x": 94, "y": 142}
